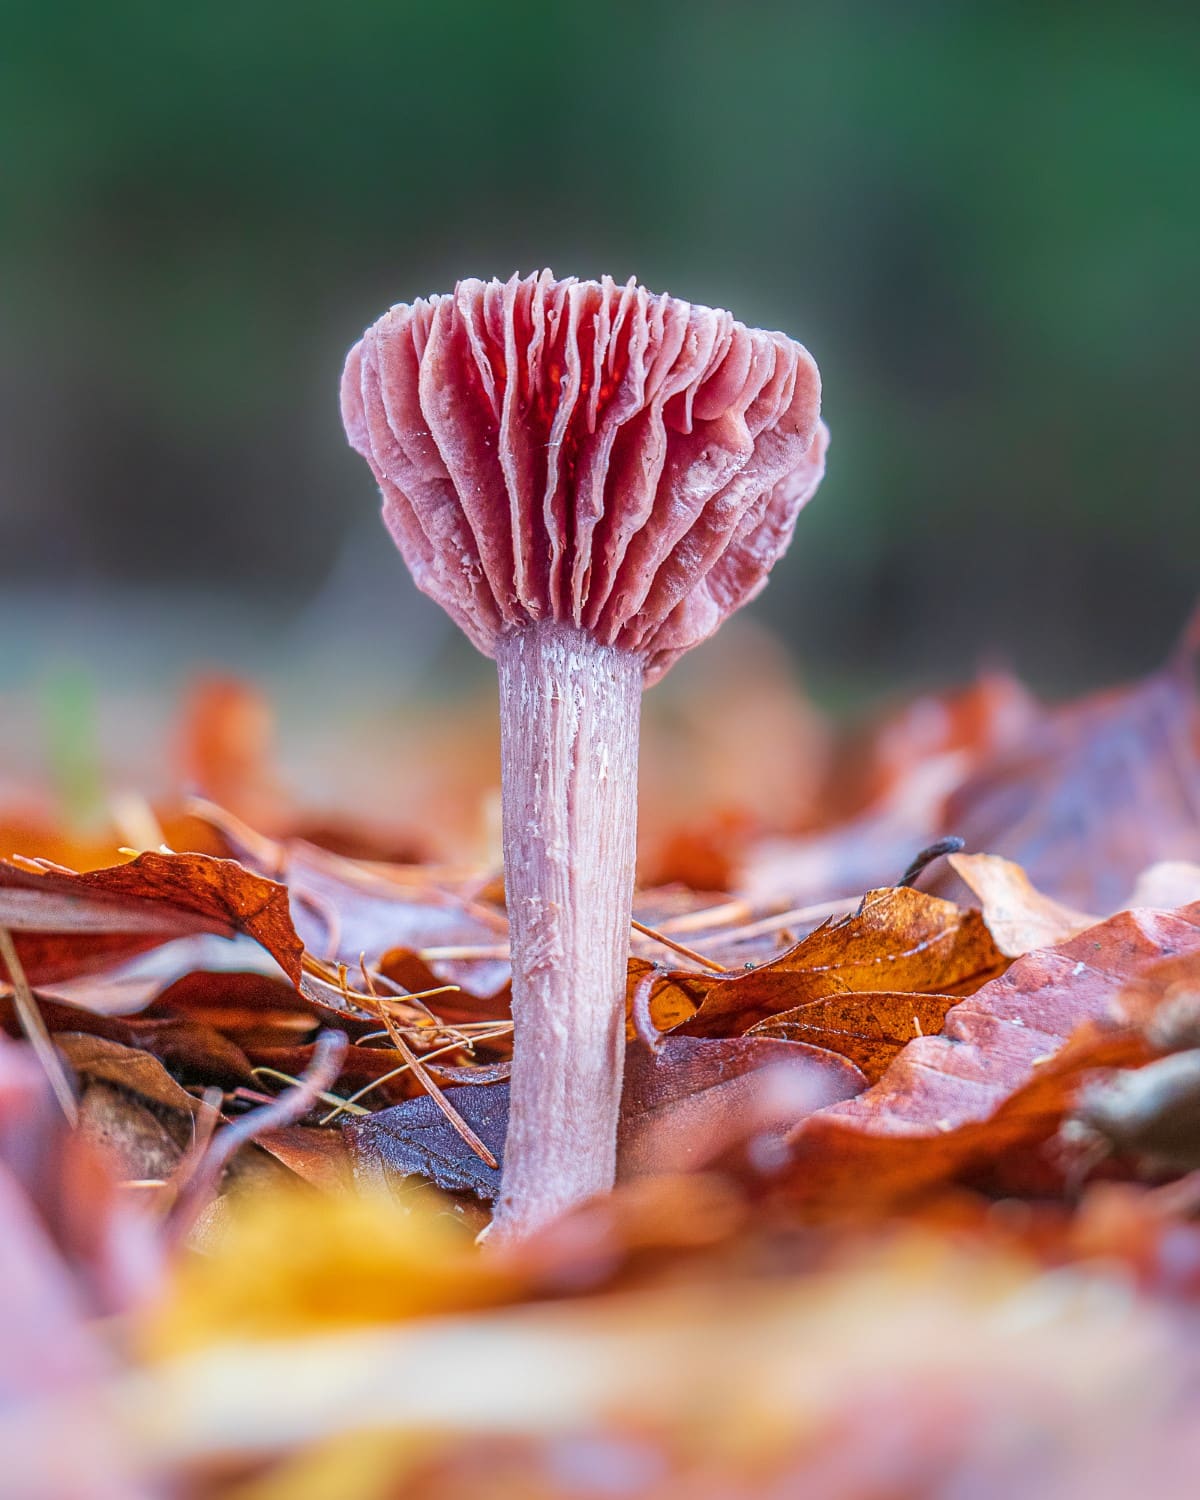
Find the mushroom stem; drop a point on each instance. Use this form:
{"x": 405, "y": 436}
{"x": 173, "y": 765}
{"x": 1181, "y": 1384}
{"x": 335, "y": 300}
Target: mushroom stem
{"x": 569, "y": 711}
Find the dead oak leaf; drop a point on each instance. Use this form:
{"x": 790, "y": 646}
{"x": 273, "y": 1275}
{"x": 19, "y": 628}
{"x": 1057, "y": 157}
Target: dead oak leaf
{"x": 985, "y": 1094}
{"x": 868, "y": 1028}
{"x": 899, "y": 940}
{"x": 1021, "y": 918}
{"x": 345, "y": 908}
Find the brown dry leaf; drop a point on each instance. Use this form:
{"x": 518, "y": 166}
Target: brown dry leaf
{"x": 988, "y": 715}
{"x": 869, "y": 1029}
{"x": 1018, "y": 915}
{"x": 992, "y": 1088}
{"x": 899, "y": 939}
{"x": 318, "y": 1157}
{"x": 136, "y": 1144}
{"x": 1021, "y": 918}
{"x": 253, "y": 1010}
{"x": 191, "y": 1050}
{"x": 66, "y": 924}
{"x": 884, "y": 812}
{"x": 128, "y": 1068}
{"x": 225, "y": 747}
{"x": 1098, "y": 790}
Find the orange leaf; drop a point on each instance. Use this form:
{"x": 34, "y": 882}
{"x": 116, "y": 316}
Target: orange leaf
{"x": 994, "y": 1085}
{"x": 899, "y": 939}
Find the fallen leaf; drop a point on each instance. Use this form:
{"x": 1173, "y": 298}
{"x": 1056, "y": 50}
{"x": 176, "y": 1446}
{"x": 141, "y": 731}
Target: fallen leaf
{"x": 289, "y": 1260}
{"x": 128, "y": 1068}
{"x": 65, "y": 924}
{"x": 319, "y": 1157}
{"x": 680, "y": 1107}
{"x": 1017, "y": 914}
{"x": 415, "y": 1139}
{"x": 189, "y": 1049}
{"x": 696, "y": 1098}
{"x": 920, "y": 1369}
{"x": 345, "y": 910}
{"x": 1166, "y": 885}
{"x": 255, "y": 1010}
{"x": 869, "y": 1029}
{"x": 995, "y": 1084}
{"x": 899, "y": 939}
{"x": 135, "y": 1142}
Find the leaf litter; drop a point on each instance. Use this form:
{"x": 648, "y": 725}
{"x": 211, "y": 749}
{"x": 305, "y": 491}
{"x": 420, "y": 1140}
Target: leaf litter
{"x": 877, "y": 1119}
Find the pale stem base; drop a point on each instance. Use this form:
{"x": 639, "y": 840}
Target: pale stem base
{"x": 569, "y": 711}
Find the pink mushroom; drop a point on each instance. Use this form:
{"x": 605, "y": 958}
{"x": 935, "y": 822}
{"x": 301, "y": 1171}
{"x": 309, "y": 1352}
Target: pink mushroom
{"x": 588, "y": 478}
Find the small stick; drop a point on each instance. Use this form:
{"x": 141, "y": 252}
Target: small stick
{"x": 35, "y": 1031}
{"x": 455, "y": 1046}
{"x": 41, "y": 866}
{"x": 785, "y": 919}
{"x": 463, "y": 952}
{"x": 326, "y": 912}
{"x": 430, "y": 1086}
{"x": 667, "y": 942}
{"x": 710, "y": 918}
{"x": 205, "y": 1128}
{"x": 293, "y": 1082}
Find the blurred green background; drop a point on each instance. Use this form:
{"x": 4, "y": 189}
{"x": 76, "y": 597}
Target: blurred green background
{"x": 982, "y": 219}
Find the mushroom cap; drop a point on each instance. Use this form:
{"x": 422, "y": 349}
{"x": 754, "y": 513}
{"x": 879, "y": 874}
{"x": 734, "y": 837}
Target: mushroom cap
{"x": 584, "y": 452}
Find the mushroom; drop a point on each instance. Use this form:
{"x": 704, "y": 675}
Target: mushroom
{"x": 588, "y": 478}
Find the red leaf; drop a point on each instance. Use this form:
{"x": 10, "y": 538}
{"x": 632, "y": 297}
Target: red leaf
{"x": 67, "y": 924}
{"x": 999, "y": 1078}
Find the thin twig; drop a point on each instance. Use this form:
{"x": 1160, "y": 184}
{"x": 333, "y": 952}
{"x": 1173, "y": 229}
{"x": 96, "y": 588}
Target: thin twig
{"x": 204, "y": 1130}
{"x": 463, "y": 951}
{"x": 452, "y": 1046}
{"x": 293, "y": 1082}
{"x": 41, "y": 866}
{"x": 429, "y": 1084}
{"x": 785, "y": 919}
{"x": 668, "y": 942}
{"x": 708, "y": 918}
{"x": 35, "y": 1031}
